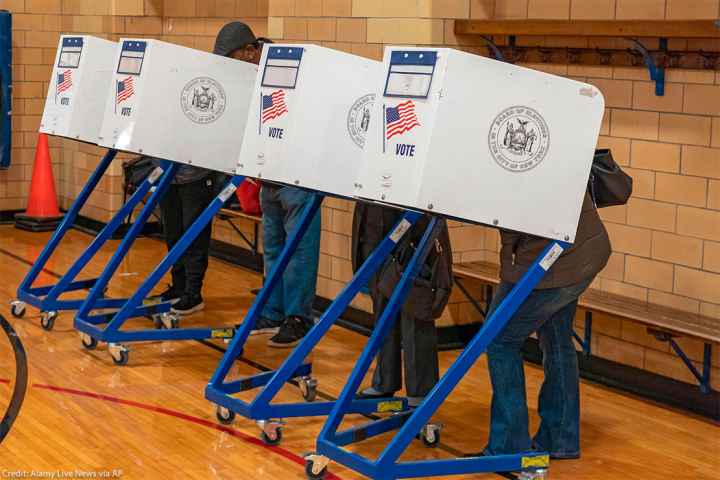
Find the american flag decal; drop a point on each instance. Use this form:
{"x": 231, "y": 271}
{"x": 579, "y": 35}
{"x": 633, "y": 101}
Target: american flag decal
{"x": 273, "y": 105}
{"x": 64, "y": 81}
{"x": 125, "y": 90}
{"x": 400, "y": 119}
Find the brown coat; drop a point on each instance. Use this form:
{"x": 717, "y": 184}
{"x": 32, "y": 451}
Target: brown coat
{"x": 585, "y": 259}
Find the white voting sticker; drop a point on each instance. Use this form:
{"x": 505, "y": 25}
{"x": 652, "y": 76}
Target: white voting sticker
{"x": 551, "y": 257}
{"x": 152, "y": 178}
{"x": 227, "y": 192}
{"x": 400, "y": 230}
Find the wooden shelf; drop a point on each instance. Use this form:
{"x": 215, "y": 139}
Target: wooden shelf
{"x": 586, "y": 28}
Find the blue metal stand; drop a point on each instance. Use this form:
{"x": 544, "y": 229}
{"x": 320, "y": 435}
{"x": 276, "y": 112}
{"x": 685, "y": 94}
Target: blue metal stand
{"x": 586, "y": 340}
{"x": 330, "y": 443}
{"x": 46, "y": 298}
{"x": 702, "y": 378}
{"x": 260, "y": 409}
{"x": 166, "y": 325}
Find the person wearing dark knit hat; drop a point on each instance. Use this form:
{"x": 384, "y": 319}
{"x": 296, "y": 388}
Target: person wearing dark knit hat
{"x": 192, "y": 191}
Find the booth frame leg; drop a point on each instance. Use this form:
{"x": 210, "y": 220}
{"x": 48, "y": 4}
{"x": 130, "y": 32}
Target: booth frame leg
{"x": 133, "y": 306}
{"x": 219, "y": 391}
{"x": 386, "y": 466}
{"x": 167, "y": 170}
{"x": 241, "y": 336}
{"x": 46, "y": 298}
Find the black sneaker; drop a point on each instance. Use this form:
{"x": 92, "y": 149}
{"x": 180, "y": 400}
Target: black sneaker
{"x": 291, "y": 332}
{"x": 171, "y": 294}
{"x": 188, "y": 304}
{"x": 265, "y": 326}
{"x": 262, "y": 326}
{"x": 371, "y": 394}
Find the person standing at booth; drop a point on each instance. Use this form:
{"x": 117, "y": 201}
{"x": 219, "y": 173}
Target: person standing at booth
{"x": 287, "y": 316}
{"x": 193, "y": 189}
{"x": 288, "y": 312}
{"x": 414, "y": 333}
{"x": 549, "y": 311}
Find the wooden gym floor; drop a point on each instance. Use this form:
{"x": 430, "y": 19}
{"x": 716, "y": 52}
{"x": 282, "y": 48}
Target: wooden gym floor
{"x": 149, "y": 419}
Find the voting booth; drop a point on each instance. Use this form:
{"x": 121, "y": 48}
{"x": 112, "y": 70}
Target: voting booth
{"x": 307, "y": 126}
{"x": 465, "y": 137}
{"x": 309, "y": 117}
{"x": 76, "y": 96}
{"x": 73, "y": 109}
{"x": 186, "y": 107}
{"x": 177, "y": 103}
{"x": 447, "y": 121}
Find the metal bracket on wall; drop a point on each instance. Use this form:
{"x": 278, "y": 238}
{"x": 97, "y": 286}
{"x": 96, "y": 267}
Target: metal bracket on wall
{"x": 657, "y": 72}
{"x": 494, "y": 49}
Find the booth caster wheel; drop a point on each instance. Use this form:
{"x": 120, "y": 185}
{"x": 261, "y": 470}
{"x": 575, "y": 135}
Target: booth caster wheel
{"x": 430, "y": 435}
{"x": 88, "y": 342}
{"x": 119, "y": 353}
{"x": 224, "y": 415}
{"x": 166, "y": 321}
{"x": 47, "y": 320}
{"x": 271, "y": 433}
{"x": 542, "y": 474}
{"x": 316, "y": 466}
{"x": 308, "y": 387}
{"x": 17, "y": 309}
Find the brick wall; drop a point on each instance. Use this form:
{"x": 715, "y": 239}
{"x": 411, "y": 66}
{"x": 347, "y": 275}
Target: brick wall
{"x": 666, "y": 240}
{"x": 37, "y": 26}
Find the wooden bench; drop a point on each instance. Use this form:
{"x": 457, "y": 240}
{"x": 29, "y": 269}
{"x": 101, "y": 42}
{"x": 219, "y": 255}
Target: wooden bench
{"x": 664, "y": 323}
{"x": 228, "y": 215}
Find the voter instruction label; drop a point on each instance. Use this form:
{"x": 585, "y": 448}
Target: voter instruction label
{"x": 551, "y": 257}
{"x": 400, "y": 230}
{"x": 227, "y": 192}
{"x": 157, "y": 173}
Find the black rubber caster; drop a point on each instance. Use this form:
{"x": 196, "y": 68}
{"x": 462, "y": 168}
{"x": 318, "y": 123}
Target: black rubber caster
{"x": 160, "y": 321}
{"x": 430, "y": 436}
{"x": 308, "y": 387}
{"x": 89, "y": 343}
{"x": 17, "y": 309}
{"x": 47, "y": 320}
{"x": 225, "y": 415}
{"x": 312, "y": 475}
{"x": 120, "y": 357}
{"x": 268, "y": 440}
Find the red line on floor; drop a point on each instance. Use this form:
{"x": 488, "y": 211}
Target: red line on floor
{"x": 2, "y": 380}
{"x": 183, "y": 416}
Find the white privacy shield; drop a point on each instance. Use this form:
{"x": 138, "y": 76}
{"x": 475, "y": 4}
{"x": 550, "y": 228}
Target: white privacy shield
{"x": 76, "y": 95}
{"x": 177, "y": 103}
{"x": 481, "y": 140}
{"x": 309, "y": 117}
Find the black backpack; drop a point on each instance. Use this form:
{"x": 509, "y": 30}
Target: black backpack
{"x": 135, "y": 172}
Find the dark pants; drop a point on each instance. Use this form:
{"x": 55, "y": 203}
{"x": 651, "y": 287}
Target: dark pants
{"x": 550, "y": 313}
{"x": 417, "y": 338}
{"x": 180, "y": 207}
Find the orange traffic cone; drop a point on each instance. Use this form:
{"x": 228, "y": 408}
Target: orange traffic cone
{"x": 42, "y": 213}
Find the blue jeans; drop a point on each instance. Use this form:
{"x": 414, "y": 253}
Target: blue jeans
{"x": 282, "y": 209}
{"x": 550, "y": 313}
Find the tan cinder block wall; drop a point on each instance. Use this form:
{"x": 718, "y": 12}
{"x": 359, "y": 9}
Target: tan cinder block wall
{"x": 37, "y": 26}
{"x": 666, "y": 240}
